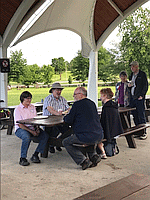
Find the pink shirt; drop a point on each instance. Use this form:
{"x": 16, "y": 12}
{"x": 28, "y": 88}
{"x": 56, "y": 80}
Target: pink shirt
{"x": 21, "y": 112}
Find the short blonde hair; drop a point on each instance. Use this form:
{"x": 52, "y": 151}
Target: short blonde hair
{"x": 108, "y": 92}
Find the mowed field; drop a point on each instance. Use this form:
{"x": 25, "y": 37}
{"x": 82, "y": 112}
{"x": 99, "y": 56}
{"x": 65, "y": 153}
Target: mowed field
{"x": 41, "y": 93}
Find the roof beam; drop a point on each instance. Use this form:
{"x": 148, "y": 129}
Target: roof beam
{"x": 12, "y": 28}
{"x": 115, "y": 7}
{"x": 118, "y": 20}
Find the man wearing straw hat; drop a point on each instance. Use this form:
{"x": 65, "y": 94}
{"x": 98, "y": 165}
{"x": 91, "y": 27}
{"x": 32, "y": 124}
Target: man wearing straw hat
{"x": 55, "y": 104}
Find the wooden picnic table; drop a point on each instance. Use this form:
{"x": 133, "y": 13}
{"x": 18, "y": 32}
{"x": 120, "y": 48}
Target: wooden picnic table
{"x": 58, "y": 119}
{"x": 39, "y": 108}
{"x": 50, "y": 121}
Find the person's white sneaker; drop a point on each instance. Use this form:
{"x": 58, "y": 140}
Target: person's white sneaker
{"x": 144, "y": 136}
{"x": 103, "y": 156}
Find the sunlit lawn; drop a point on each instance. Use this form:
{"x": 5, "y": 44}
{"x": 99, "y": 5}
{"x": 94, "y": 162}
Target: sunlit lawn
{"x": 41, "y": 93}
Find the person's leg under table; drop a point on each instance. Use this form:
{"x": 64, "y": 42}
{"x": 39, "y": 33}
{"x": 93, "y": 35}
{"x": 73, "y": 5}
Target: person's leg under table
{"x": 134, "y": 112}
{"x": 74, "y": 151}
{"x": 43, "y": 139}
{"x": 140, "y": 107}
{"x": 26, "y": 140}
{"x": 53, "y": 133}
{"x": 25, "y": 137}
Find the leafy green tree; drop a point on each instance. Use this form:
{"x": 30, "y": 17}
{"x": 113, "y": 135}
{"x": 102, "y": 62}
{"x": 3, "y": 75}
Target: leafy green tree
{"x": 106, "y": 65}
{"x": 47, "y": 73}
{"x": 35, "y": 73}
{"x": 80, "y": 67}
{"x": 135, "y": 44}
{"x": 59, "y": 65}
{"x": 17, "y": 66}
{"x": 27, "y": 79}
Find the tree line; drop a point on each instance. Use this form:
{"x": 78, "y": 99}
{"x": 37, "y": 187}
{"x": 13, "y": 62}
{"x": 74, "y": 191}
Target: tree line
{"x": 134, "y": 45}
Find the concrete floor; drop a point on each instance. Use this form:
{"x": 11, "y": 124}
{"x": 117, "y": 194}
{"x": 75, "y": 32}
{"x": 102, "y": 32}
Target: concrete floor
{"x": 58, "y": 177}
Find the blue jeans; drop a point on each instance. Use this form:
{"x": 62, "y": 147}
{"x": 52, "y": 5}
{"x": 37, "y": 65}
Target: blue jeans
{"x": 74, "y": 151}
{"x": 26, "y": 139}
{"x": 139, "y": 113}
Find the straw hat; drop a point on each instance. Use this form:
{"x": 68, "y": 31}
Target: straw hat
{"x": 134, "y": 63}
{"x": 56, "y": 86}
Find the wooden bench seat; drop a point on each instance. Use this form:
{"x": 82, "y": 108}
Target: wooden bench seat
{"x": 128, "y": 133}
{"x": 135, "y": 130}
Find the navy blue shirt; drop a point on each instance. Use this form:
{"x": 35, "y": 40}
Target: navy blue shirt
{"x": 85, "y": 121}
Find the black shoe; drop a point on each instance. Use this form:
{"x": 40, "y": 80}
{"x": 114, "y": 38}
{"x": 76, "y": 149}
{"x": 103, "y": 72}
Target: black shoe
{"x": 95, "y": 160}
{"x": 59, "y": 148}
{"x": 35, "y": 159}
{"x": 24, "y": 162}
{"x": 86, "y": 164}
{"x": 51, "y": 150}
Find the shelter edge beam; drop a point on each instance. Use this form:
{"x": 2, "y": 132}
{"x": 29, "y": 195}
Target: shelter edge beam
{"x": 118, "y": 20}
{"x": 19, "y": 19}
{"x": 115, "y": 7}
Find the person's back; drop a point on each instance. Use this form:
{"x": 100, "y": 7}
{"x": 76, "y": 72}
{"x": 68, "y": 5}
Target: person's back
{"x": 110, "y": 120}
{"x": 85, "y": 121}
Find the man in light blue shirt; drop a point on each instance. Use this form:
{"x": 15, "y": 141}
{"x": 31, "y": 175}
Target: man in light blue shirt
{"x": 55, "y": 104}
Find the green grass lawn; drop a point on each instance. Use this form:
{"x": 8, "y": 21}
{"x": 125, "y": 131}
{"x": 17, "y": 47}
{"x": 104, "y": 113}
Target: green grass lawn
{"x": 41, "y": 93}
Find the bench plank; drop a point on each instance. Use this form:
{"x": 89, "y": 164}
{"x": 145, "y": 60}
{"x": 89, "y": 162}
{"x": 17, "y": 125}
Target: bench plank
{"x": 123, "y": 188}
{"x": 128, "y": 133}
{"x": 136, "y": 130}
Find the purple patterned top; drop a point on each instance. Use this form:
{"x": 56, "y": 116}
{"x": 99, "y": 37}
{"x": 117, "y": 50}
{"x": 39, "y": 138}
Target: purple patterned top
{"x": 121, "y": 94}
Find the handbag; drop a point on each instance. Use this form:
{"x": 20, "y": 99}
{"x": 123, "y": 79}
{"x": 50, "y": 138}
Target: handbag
{"x": 111, "y": 147}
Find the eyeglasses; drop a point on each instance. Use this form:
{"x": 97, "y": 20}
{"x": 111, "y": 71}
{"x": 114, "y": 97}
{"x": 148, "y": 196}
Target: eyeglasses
{"x": 28, "y": 98}
{"x": 76, "y": 94}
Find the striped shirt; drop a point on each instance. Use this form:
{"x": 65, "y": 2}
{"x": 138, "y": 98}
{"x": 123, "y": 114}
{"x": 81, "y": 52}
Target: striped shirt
{"x": 50, "y": 100}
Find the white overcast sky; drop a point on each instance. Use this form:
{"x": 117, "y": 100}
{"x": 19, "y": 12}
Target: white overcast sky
{"x": 41, "y": 49}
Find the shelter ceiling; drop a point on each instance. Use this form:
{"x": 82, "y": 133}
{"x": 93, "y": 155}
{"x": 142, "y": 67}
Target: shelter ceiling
{"x": 73, "y": 16}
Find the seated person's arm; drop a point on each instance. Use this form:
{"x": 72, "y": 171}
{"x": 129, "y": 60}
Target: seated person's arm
{"x": 33, "y": 132}
{"x": 53, "y": 112}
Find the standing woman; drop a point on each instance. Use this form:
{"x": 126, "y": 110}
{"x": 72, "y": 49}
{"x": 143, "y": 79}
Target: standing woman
{"x": 122, "y": 95}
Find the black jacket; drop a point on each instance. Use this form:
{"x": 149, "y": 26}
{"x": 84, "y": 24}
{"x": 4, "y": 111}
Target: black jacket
{"x": 110, "y": 120}
{"x": 141, "y": 83}
{"x": 85, "y": 121}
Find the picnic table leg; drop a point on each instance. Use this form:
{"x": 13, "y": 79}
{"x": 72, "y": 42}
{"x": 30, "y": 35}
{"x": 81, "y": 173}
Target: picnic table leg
{"x": 9, "y": 130}
{"x": 130, "y": 141}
